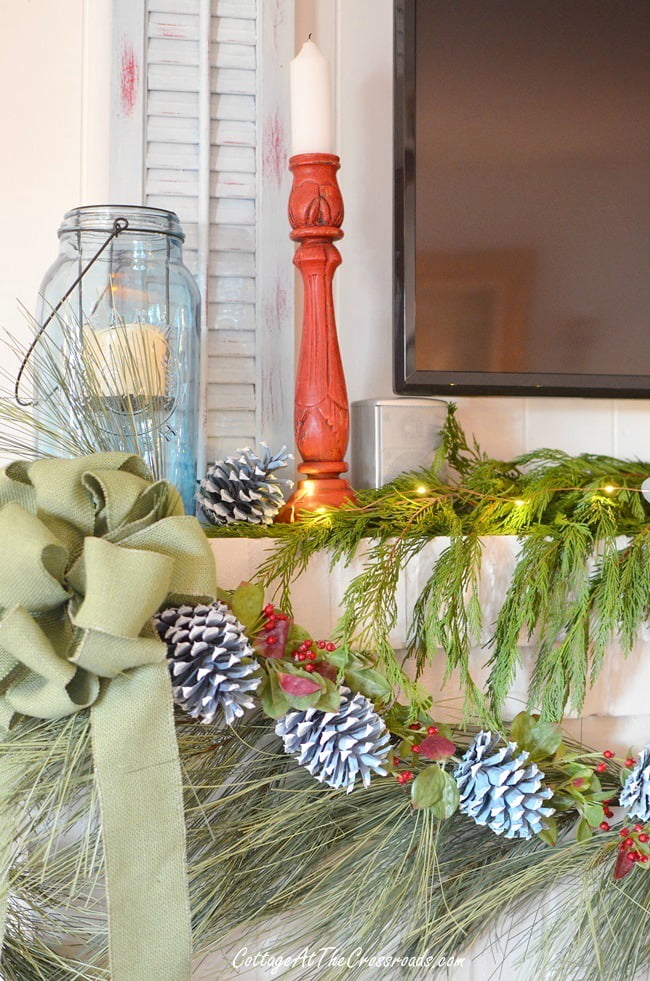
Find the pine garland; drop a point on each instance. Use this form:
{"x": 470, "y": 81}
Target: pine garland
{"x": 363, "y": 870}
{"x": 582, "y": 575}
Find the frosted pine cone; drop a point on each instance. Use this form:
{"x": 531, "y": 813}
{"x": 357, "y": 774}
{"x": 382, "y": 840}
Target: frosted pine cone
{"x": 499, "y": 790}
{"x": 244, "y": 487}
{"x": 635, "y": 796}
{"x": 211, "y": 661}
{"x": 337, "y": 747}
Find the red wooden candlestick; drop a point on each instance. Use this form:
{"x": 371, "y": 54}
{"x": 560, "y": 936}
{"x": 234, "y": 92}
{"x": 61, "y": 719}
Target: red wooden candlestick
{"x": 321, "y": 415}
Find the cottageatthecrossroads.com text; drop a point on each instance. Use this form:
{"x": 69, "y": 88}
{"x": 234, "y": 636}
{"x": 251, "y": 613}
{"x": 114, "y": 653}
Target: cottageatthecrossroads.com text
{"x": 336, "y": 957}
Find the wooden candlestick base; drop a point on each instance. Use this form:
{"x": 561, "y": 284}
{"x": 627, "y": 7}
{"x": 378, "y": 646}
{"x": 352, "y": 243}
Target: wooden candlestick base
{"x": 315, "y": 493}
{"x": 322, "y": 415}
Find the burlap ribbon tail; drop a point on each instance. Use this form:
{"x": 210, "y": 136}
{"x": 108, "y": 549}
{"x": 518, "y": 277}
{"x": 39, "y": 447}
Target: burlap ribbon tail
{"x": 89, "y": 550}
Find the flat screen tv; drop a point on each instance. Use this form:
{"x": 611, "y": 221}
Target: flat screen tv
{"x": 522, "y": 197}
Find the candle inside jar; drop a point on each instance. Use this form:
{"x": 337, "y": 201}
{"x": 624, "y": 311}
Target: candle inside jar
{"x": 311, "y": 101}
{"x": 128, "y": 360}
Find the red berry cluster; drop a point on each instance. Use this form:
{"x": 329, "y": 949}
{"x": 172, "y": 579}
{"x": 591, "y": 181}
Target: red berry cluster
{"x": 404, "y": 777}
{"x": 634, "y": 843}
{"x": 271, "y": 617}
{"x": 306, "y": 652}
{"x": 609, "y": 755}
{"x": 608, "y": 812}
{"x": 419, "y": 727}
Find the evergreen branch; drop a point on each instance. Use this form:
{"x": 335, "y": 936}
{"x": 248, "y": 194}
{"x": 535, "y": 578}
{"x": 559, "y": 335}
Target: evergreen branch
{"x": 572, "y": 590}
{"x": 634, "y": 593}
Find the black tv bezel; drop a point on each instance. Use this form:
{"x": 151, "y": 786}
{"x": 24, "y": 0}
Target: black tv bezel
{"x": 407, "y": 380}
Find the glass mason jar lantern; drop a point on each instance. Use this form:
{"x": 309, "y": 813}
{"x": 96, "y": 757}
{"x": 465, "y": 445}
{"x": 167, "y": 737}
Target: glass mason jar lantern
{"x": 128, "y": 334}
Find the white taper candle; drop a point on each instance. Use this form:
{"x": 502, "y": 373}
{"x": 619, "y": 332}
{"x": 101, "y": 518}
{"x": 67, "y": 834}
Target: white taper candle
{"x": 311, "y": 102}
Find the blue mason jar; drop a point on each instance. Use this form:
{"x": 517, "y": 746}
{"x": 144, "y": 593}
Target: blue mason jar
{"x": 128, "y": 337}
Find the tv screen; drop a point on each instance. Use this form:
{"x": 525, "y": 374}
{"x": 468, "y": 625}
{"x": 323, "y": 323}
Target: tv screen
{"x": 522, "y": 197}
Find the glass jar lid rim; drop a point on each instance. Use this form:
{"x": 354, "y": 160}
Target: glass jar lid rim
{"x": 143, "y": 219}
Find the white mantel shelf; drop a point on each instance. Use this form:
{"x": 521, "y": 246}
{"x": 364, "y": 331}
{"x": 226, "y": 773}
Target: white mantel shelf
{"x": 616, "y": 711}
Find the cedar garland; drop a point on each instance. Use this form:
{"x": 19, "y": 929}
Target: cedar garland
{"x": 582, "y": 575}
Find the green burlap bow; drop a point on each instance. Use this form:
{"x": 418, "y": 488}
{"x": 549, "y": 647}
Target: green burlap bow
{"x": 89, "y": 550}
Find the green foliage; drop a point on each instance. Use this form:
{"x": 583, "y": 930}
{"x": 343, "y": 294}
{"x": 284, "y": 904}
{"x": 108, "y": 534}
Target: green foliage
{"x": 581, "y": 577}
{"x": 277, "y": 697}
{"x": 435, "y": 789}
{"x": 295, "y": 637}
{"x": 369, "y": 682}
{"x": 540, "y": 739}
{"x": 246, "y": 603}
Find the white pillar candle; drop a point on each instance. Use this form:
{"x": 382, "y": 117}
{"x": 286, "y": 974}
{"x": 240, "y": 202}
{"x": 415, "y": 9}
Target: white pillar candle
{"x": 126, "y": 360}
{"x": 311, "y": 101}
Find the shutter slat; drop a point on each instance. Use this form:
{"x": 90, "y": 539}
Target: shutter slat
{"x": 229, "y": 185}
{"x": 169, "y": 103}
{"x": 162, "y": 155}
{"x": 225, "y": 238}
{"x": 173, "y": 88}
{"x": 236, "y": 8}
{"x": 233, "y": 212}
{"x": 233, "y": 30}
{"x": 172, "y": 25}
{"x": 234, "y": 56}
{"x": 238, "y": 264}
{"x": 231, "y": 316}
{"x": 234, "y": 238}
{"x": 183, "y": 182}
{"x": 235, "y": 107}
{"x": 167, "y": 51}
{"x": 230, "y": 289}
{"x": 185, "y": 208}
{"x": 231, "y": 424}
{"x": 173, "y": 78}
{"x": 238, "y": 81}
{"x": 233, "y": 132}
{"x": 177, "y": 183}
{"x": 173, "y": 130}
{"x": 230, "y": 344}
{"x": 229, "y": 211}
{"x": 227, "y": 395}
{"x": 175, "y": 7}
{"x": 220, "y": 447}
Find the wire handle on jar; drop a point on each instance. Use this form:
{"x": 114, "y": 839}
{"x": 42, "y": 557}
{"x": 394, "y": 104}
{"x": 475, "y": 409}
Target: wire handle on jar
{"x": 119, "y": 225}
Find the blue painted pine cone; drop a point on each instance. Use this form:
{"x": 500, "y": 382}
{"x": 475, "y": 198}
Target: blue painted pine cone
{"x": 337, "y": 747}
{"x": 500, "y": 790}
{"x": 212, "y": 664}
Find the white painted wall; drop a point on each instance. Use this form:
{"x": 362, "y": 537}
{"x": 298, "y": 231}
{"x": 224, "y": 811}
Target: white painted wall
{"x": 357, "y": 37}
{"x": 54, "y": 77}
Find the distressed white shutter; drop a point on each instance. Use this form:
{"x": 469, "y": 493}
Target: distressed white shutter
{"x": 205, "y": 136}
